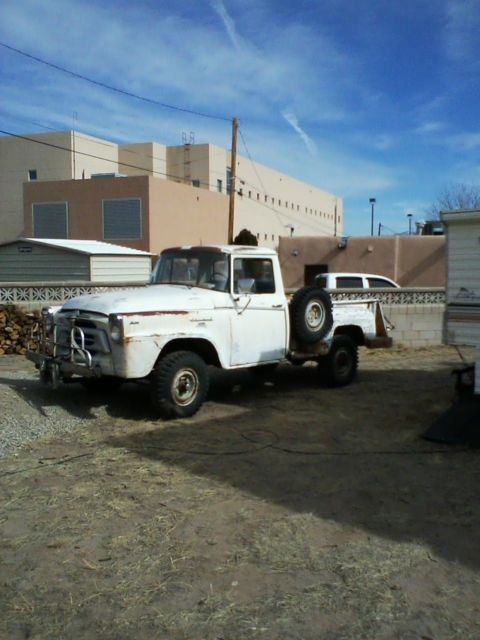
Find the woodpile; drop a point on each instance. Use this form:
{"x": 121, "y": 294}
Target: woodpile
{"x": 16, "y": 329}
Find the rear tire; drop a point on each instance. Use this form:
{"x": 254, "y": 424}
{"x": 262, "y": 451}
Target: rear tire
{"x": 339, "y": 367}
{"x": 179, "y": 385}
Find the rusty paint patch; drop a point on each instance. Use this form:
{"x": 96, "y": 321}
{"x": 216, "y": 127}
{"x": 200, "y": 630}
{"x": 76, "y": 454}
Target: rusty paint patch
{"x": 173, "y": 312}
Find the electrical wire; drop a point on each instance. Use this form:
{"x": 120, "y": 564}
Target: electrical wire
{"x": 104, "y": 85}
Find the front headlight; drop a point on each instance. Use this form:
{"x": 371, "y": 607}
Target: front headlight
{"x": 116, "y": 327}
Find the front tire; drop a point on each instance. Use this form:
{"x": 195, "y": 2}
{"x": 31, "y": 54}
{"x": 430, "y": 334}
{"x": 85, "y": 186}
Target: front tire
{"x": 339, "y": 367}
{"x": 179, "y": 385}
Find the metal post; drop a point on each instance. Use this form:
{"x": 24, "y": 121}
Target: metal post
{"x": 231, "y": 208}
{"x": 372, "y": 202}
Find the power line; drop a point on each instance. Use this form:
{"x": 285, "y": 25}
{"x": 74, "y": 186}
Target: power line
{"x": 98, "y": 83}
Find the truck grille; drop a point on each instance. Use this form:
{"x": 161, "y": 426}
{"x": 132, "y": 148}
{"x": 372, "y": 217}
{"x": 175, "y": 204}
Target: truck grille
{"x": 96, "y": 340}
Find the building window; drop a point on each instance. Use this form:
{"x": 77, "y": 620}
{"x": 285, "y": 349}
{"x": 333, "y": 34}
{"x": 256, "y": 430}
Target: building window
{"x": 195, "y": 183}
{"x": 265, "y": 236}
{"x": 266, "y": 198}
{"x": 219, "y": 186}
{"x": 122, "y": 219}
{"x": 258, "y": 196}
{"x": 50, "y": 220}
{"x": 249, "y": 194}
{"x": 32, "y": 174}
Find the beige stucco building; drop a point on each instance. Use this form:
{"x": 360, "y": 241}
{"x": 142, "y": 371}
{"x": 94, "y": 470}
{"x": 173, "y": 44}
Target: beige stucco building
{"x": 268, "y": 203}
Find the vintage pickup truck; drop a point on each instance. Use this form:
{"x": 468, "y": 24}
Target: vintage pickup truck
{"x": 210, "y": 305}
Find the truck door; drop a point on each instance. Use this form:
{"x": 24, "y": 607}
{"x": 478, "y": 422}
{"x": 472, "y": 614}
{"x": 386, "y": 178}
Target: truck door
{"x": 258, "y": 323}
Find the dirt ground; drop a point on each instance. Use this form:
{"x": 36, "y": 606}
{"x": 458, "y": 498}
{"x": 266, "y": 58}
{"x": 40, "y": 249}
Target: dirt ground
{"x": 281, "y": 511}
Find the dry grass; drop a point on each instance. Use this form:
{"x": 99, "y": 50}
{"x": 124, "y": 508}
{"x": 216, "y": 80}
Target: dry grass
{"x": 143, "y": 538}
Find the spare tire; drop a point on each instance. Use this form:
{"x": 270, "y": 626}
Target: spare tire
{"x": 311, "y": 314}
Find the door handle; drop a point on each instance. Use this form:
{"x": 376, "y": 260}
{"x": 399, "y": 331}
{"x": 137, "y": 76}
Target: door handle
{"x": 277, "y": 306}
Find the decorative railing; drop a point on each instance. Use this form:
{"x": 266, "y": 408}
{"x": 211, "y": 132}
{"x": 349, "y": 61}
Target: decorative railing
{"x": 57, "y": 292}
{"x": 54, "y": 292}
{"x": 393, "y": 296}
{"x": 430, "y": 295}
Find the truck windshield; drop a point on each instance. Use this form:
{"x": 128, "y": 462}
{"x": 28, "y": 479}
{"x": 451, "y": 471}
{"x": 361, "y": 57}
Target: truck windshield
{"x": 206, "y": 269}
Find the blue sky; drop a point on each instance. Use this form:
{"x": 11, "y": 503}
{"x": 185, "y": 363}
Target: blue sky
{"x": 376, "y": 99}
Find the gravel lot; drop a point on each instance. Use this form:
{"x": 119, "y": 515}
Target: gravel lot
{"x": 30, "y": 410}
{"x": 279, "y": 511}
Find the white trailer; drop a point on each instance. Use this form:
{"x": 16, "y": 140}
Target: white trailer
{"x": 459, "y": 423}
{"x": 462, "y": 318}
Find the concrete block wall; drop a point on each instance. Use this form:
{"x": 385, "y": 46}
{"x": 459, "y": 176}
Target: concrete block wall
{"x": 416, "y": 325}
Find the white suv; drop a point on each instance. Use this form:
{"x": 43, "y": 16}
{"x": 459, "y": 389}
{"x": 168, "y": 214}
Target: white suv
{"x": 354, "y": 281}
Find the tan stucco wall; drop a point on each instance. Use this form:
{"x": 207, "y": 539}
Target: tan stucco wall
{"x": 412, "y": 261}
{"x": 173, "y": 213}
{"x": 184, "y": 215}
{"x": 17, "y": 156}
{"x": 92, "y": 155}
{"x": 144, "y": 158}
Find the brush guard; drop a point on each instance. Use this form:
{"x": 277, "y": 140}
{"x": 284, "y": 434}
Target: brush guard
{"x": 56, "y": 360}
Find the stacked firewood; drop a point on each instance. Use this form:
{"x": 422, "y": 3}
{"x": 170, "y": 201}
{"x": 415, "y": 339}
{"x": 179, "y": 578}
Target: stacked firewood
{"x": 16, "y": 328}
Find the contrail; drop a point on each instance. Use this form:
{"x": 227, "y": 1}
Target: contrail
{"x": 292, "y": 120}
{"x": 228, "y": 22}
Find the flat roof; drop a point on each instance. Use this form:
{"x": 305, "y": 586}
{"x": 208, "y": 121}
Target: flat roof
{"x": 225, "y": 248}
{"x": 90, "y": 247}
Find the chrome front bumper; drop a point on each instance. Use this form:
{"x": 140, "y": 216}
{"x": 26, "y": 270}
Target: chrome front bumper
{"x": 57, "y": 359}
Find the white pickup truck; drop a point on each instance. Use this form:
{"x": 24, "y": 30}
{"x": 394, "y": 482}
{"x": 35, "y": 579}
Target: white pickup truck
{"x": 212, "y": 305}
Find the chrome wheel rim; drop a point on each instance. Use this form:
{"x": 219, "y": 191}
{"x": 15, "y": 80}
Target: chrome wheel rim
{"x": 185, "y": 386}
{"x": 315, "y": 315}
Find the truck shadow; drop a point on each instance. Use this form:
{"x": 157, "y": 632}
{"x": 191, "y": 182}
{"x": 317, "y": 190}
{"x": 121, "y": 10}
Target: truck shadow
{"x": 360, "y": 466}
{"x": 350, "y": 455}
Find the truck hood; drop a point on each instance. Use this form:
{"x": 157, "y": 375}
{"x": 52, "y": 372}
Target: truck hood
{"x": 163, "y": 297}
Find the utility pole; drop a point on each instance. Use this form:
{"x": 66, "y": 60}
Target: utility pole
{"x": 233, "y": 176}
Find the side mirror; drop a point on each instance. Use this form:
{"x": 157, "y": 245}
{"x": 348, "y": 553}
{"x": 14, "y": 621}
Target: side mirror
{"x": 246, "y": 285}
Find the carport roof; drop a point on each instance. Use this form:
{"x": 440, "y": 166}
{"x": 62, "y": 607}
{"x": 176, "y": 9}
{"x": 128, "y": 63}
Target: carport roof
{"x": 90, "y": 247}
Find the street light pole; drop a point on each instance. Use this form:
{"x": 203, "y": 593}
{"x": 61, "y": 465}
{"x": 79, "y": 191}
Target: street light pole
{"x": 409, "y": 215}
{"x": 372, "y": 202}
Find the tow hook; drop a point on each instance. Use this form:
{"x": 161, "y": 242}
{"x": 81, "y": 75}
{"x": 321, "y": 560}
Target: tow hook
{"x": 50, "y": 374}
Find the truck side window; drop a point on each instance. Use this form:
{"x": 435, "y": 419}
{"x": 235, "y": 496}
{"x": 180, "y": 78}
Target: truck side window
{"x": 380, "y": 283}
{"x": 349, "y": 282}
{"x": 260, "y": 270}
